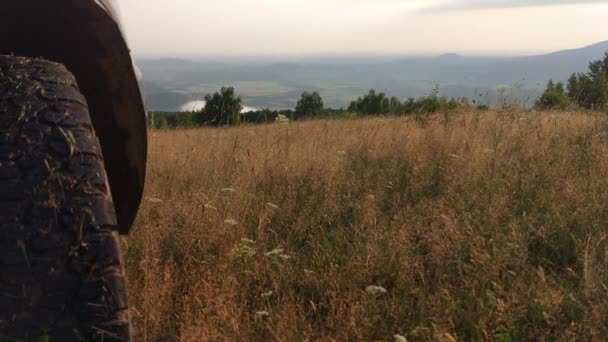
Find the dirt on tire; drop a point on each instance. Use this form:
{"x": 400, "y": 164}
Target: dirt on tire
{"x": 61, "y": 270}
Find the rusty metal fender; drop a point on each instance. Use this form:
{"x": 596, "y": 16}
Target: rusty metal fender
{"x": 85, "y": 35}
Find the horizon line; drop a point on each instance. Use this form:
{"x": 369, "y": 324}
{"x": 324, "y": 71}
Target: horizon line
{"x": 357, "y": 55}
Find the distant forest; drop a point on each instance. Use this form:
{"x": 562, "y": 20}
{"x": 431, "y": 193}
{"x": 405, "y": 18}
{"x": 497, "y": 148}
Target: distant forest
{"x": 587, "y": 90}
{"x": 224, "y": 109}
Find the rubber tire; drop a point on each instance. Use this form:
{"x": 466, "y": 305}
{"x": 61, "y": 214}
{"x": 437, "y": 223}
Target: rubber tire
{"x": 61, "y": 271}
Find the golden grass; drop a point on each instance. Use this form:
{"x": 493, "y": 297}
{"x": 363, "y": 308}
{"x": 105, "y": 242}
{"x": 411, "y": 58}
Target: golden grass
{"x": 479, "y": 226}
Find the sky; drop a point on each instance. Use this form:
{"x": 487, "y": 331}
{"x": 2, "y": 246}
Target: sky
{"x": 258, "y": 28}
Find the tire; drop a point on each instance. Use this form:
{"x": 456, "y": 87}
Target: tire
{"x": 61, "y": 271}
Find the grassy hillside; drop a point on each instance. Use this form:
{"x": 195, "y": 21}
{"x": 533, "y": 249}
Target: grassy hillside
{"x": 477, "y": 226}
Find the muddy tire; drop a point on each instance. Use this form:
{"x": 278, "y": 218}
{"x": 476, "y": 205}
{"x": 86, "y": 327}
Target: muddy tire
{"x": 61, "y": 271}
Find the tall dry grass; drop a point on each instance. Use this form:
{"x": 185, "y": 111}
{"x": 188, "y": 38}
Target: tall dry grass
{"x": 479, "y": 226}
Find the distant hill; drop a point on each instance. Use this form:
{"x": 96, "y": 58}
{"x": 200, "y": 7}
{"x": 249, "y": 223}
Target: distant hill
{"x": 172, "y": 82}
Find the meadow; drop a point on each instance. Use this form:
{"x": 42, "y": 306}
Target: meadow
{"x": 469, "y": 226}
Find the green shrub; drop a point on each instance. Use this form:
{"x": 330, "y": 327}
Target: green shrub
{"x": 554, "y": 98}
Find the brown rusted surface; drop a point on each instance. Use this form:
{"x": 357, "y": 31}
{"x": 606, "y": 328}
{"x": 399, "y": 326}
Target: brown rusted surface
{"x": 82, "y": 36}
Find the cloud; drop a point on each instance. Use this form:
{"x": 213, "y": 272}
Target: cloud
{"x": 455, "y": 5}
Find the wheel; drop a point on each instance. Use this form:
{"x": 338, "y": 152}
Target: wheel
{"x": 61, "y": 270}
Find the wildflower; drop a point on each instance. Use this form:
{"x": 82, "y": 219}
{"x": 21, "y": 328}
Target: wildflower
{"x": 456, "y": 156}
{"x": 399, "y": 338}
{"x": 282, "y": 118}
{"x": 501, "y": 89}
{"x": 242, "y": 252}
{"x": 231, "y": 222}
{"x": 376, "y": 290}
{"x": 276, "y": 251}
{"x": 262, "y": 314}
{"x": 272, "y": 206}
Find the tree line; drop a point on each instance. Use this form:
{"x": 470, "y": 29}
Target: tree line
{"x": 587, "y": 90}
{"x": 224, "y": 108}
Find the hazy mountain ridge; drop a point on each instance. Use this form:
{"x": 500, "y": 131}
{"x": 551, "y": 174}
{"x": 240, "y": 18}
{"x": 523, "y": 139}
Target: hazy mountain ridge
{"x": 172, "y": 82}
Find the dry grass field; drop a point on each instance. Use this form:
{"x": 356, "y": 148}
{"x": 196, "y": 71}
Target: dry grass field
{"x": 477, "y": 226}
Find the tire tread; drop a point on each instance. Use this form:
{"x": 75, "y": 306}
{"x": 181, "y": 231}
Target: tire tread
{"x": 61, "y": 270}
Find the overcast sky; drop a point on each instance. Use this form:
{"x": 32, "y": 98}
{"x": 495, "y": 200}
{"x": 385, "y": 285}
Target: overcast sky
{"x": 199, "y": 28}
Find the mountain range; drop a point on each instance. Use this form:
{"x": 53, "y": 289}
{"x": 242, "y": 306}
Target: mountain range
{"x": 169, "y": 84}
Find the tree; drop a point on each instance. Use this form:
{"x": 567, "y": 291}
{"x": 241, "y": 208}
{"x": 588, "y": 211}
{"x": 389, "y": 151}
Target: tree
{"x": 550, "y": 86}
{"x": 222, "y": 108}
{"x": 553, "y": 98}
{"x": 590, "y": 90}
{"x": 574, "y": 88}
{"x": 584, "y": 99}
{"x": 394, "y": 106}
{"x": 374, "y": 104}
{"x": 559, "y": 88}
{"x": 310, "y": 105}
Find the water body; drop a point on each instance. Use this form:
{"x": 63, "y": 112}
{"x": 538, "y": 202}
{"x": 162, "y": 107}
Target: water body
{"x": 198, "y": 105}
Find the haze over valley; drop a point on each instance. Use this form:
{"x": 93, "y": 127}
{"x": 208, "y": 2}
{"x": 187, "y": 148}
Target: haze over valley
{"x": 177, "y": 84}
